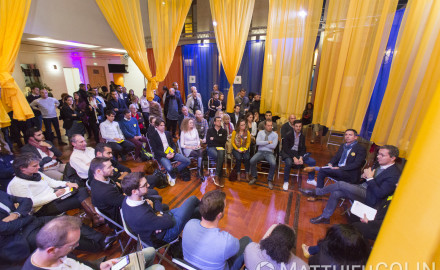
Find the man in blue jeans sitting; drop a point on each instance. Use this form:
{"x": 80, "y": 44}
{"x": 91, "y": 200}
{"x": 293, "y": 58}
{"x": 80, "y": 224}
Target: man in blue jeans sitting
{"x": 267, "y": 140}
{"x": 164, "y": 150}
{"x": 153, "y": 227}
{"x": 294, "y": 153}
{"x": 216, "y": 138}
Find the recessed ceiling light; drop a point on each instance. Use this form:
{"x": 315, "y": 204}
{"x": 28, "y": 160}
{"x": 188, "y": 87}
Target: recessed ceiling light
{"x": 68, "y": 43}
{"x": 114, "y": 50}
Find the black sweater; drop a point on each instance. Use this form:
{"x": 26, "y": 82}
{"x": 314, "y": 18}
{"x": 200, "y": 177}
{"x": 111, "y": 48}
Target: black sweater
{"x": 143, "y": 220}
{"x": 218, "y": 138}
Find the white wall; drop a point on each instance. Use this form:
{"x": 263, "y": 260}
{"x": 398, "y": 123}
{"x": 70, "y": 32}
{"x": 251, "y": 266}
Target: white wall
{"x": 54, "y": 78}
{"x": 134, "y": 79}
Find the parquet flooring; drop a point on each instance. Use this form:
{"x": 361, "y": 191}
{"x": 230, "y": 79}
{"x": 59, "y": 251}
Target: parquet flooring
{"x": 250, "y": 210}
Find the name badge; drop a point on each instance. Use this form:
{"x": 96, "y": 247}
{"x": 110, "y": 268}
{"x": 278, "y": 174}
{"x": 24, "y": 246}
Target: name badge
{"x": 134, "y": 125}
{"x": 219, "y": 134}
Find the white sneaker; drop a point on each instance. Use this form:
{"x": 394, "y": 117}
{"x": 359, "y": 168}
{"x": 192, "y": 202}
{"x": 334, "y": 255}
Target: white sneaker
{"x": 171, "y": 181}
{"x": 286, "y": 185}
{"x": 311, "y": 182}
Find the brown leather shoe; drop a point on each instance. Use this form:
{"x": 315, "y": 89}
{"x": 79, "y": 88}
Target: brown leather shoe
{"x": 309, "y": 169}
{"x": 218, "y": 182}
{"x": 88, "y": 207}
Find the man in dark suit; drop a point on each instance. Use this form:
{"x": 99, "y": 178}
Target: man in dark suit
{"x": 380, "y": 183}
{"x": 37, "y": 121}
{"x": 294, "y": 152}
{"x": 185, "y": 114}
{"x": 46, "y": 151}
{"x": 164, "y": 150}
{"x": 122, "y": 93}
{"x": 235, "y": 115}
{"x": 82, "y": 92}
{"x": 346, "y": 165}
{"x": 288, "y": 126}
{"x": 118, "y": 105}
{"x": 106, "y": 191}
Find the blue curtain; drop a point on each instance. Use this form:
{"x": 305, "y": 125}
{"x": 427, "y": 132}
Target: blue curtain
{"x": 202, "y": 61}
{"x": 382, "y": 79}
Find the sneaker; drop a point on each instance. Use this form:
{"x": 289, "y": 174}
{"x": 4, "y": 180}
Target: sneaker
{"x": 270, "y": 184}
{"x": 253, "y": 180}
{"x": 311, "y": 182}
{"x": 171, "y": 181}
{"x": 286, "y": 185}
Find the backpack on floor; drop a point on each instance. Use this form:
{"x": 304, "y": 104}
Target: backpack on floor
{"x": 163, "y": 179}
{"x": 185, "y": 174}
{"x": 144, "y": 155}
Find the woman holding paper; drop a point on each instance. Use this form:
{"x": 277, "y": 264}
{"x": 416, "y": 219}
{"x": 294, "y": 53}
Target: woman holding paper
{"x": 241, "y": 140}
{"x": 190, "y": 144}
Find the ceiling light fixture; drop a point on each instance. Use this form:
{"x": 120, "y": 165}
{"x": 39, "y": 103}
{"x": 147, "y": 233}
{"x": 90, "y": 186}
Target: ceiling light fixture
{"x": 61, "y": 42}
{"x": 114, "y": 50}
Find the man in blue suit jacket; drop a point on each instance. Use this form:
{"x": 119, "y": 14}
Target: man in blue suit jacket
{"x": 346, "y": 165}
{"x": 380, "y": 183}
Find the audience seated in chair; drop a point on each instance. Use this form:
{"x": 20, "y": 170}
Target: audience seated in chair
{"x": 216, "y": 139}
{"x": 267, "y": 116}
{"x": 58, "y": 238}
{"x": 266, "y": 141}
{"x": 49, "y": 154}
{"x": 107, "y": 195}
{"x": 288, "y": 126}
{"x": 204, "y": 245}
{"x": 6, "y": 169}
{"x": 236, "y": 115}
{"x": 294, "y": 153}
{"x": 274, "y": 249}
{"x": 201, "y": 125}
{"x": 346, "y": 165}
{"x": 241, "y": 142}
{"x": 18, "y": 230}
{"x": 342, "y": 248}
{"x": 81, "y": 156}
{"x": 132, "y": 132}
{"x": 185, "y": 114}
{"x": 45, "y": 191}
{"x": 141, "y": 217}
{"x": 190, "y": 144}
{"x": 380, "y": 183}
{"x": 112, "y": 134}
{"x": 164, "y": 150}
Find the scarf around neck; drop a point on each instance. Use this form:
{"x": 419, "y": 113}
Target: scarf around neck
{"x": 34, "y": 177}
{"x": 44, "y": 149}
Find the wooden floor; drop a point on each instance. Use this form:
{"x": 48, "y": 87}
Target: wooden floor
{"x": 251, "y": 210}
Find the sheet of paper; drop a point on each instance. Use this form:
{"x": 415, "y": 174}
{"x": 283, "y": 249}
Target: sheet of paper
{"x": 359, "y": 209}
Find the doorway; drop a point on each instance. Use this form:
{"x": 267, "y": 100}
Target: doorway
{"x": 73, "y": 79}
{"x": 96, "y": 76}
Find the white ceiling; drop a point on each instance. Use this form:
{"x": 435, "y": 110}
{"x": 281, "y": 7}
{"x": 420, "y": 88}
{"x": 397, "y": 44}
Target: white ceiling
{"x": 79, "y": 20}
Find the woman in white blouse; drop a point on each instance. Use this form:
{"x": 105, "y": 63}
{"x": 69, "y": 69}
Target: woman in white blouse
{"x": 190, "y": 144}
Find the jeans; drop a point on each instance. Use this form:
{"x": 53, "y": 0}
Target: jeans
{"x": 219, "y": 157}
{"x": 48, "y": 122}
{"x": 239, "y": 157}
{"x": 288, "y": 163}
{"x": 237, "y": 261}
{"x": 341, "y": 190}
{"x": 166, "y": 163}
{"x": 263, "y": 155}
{"x": 181, "y": 216}
{"x": 57, "y": 207}
{"x": 121, "y": 148}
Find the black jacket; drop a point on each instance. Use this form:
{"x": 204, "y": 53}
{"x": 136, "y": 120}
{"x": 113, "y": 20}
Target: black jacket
{"x": 27, "y": 148}
{"x": 354, "y": 162}
{"x": 66, "y": 115}
{"x": 118, "y": 104}
{"x": 25, "y": 206}
{"x": 218, "y": 138}
{"x": 286, "y": 128}
{"x": 232, "y": 116}
{"x": 107, "y": 198}
{"x": 157, "y": 145}
{"x": 289, "y": 142}
{"x": 167, "y": 102}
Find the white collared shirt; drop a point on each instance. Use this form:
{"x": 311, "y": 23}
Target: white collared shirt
{"x": 109, "y": 131}
{"x": 80, "y": 161}
{"x": 163, "y": 138}
{"x": 134, "y": 203}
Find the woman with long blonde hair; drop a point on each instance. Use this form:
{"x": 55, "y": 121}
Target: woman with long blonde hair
{"x": 190, "y": 144}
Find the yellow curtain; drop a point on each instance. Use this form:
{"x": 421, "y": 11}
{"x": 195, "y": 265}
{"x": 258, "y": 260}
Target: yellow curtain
{"x": 291, "y": 34}
{"x": 124, "y": 17}
{"x": 166, "y": 18}
{"x": 415, "y": 72}
{"x": 232, "y": 19}
{"x": 410, "y": 233}
{"x": 354, "y": 44}
{"x": 13, "y": 16}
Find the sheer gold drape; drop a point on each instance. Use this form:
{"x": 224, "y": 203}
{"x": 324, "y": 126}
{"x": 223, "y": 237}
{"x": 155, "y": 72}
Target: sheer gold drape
{"x": 13, "y": 16}
{"x": 355, "y": 38}
{"x": 124, "y": 17}
{"x": 166, "y": 18}
{"x": 414, "y": 74}
{"x": 232, "y": 19}
{"x": 291, "y": 34}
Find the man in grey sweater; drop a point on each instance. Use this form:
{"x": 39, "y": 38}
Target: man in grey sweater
{"x": 267, "y": 140}
{"x": 47, "y": 106}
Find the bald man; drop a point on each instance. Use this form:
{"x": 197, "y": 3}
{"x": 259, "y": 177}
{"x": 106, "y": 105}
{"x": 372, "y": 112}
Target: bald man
{"x": 194, "y": 101}
{"x": 288, "y": 126}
